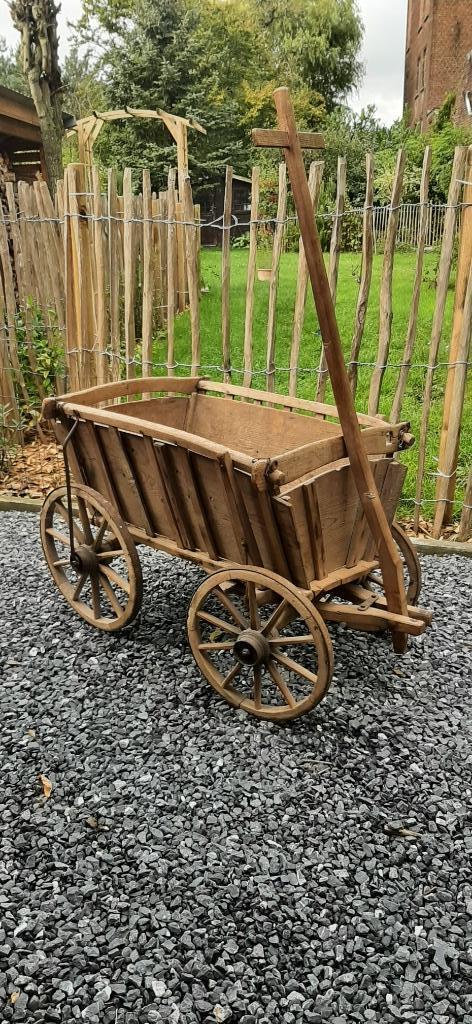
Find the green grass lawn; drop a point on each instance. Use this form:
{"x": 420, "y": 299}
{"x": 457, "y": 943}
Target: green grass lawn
{"x": 349, "y": 272}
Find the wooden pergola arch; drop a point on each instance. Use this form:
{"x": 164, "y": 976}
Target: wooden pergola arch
{"x": 88, "y": 129}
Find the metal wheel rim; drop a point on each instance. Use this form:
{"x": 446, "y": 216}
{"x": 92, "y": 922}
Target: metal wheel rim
{"x": 316, "y": 633}
{"x": 119, "y": 611}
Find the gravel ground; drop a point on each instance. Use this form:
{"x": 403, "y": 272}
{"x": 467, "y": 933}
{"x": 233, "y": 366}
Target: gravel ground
{"x": 195, "y": 865}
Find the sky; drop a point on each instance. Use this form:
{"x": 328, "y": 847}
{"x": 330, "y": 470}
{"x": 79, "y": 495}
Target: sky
{"x": 382, "y": 53}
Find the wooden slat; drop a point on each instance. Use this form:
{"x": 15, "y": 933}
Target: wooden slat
{"x": 297, "y": 547}
{"x": 11, "y": 347}
{"x": 290, "y": 402}
{"x": 386, "y": 310}
{"x": 129, "y": 272}
{"x": 277, "y": 246}
{"x": 181, "y": 276}
{"x": 125, "y": 484}
{"x": 113, "y": 275}
{"x": 314, "y": 184}
{"x": 366, "y": 272}
{"x": 241, "y": 525}
{"x": 456, "y": 347}
{"x": 271, "y": 138}
{"x": 415, "y": 301}
{"x": 442, "y": 285}
{"x": 91, "y": 457}
{"x": 192, "y": 272}
{"x": 225, "y": 274}
{"x": 153, "y": 485}
{"x": 453, "y": 413}
{"x": 315, "y": 527}
{"x": 99, "y": 290}
{"x": 124, "y": 388}
{"x": 167, "y": 477}
{"x": 333, "y": 267}
{"x": 250, "y": 278}
{"x": 148, "y": 276}
{"x": 171, "y": 249}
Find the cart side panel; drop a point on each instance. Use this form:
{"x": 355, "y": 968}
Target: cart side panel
{"x": 329, "y": 529}
{"x": 171, "y": 412}
{"x": 259, "y": 431}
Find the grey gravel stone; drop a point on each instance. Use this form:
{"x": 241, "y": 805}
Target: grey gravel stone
{"x": 194, "y": 865}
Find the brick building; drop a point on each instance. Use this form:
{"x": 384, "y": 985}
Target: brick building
{"x": 438, "y": 59}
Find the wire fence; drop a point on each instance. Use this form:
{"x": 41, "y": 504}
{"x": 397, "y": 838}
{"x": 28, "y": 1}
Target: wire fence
{"x": 97, "y": 286}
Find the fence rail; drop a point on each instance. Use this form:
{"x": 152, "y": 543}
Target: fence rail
{"x": 93, "y": 285}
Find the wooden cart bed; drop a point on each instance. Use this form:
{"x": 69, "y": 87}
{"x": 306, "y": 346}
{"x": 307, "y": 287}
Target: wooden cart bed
{"x": 223, "y": 474}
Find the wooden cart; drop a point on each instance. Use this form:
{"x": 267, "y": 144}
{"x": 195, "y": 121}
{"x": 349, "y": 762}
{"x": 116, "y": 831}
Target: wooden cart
{"x": 287, "y": 504}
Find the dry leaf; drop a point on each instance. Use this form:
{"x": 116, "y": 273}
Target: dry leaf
{"x": 47, "y": 786}
{"x": 14, "y": 996}
{"x": 32, "y": 733}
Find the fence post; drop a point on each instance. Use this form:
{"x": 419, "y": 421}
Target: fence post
{"x": 366, "y": 275}
{"x": 274, "y": 276}
{"x": 225, "y": 275}
{"x": 442, "y": 284}
{"x": 148, "y": 276}
{"x": 192, "y": 271}
{"x": 250, "y": 278}
{"x": 444, "y": 512}
{"x": 415, "y": 301}
{"x": 314, "y": 185}
{"x": 170, "y": 259}
{"x": 386, "y": 313}
{"x": 458, "y": 351}
{"x": 333, "y": 268}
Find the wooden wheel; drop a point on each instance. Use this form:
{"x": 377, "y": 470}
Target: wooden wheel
{"x": 274, "y": 661}
{"x": 411, "y": 567}
{"x": 102, "y": 581}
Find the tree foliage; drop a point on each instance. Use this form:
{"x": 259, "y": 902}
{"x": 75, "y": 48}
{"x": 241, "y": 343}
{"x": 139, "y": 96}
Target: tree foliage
{"x": 219, "y": 63}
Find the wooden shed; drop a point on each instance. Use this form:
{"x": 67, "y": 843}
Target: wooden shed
{"x": 211, "y": 209}
{"x": 21, "y": 150}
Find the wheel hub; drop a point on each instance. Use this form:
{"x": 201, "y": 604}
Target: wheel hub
{"x": 251, "y": 648}
{"x": 84, "y": 559}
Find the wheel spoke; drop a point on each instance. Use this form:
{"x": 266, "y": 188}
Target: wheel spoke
{"x": 282, "y": 686}
{"x": 274, "y": 618}
{"x": 61, "y": 537}
{"x": 95, "y": 596}
{"x": 293, "y": 666}
{"x": 225, "y": 627}
{"x": 110, "y": 594}
{"x": 100, "y": 535}
{"x": 230, "y": 608}
{"x": 62, "y": 561}
{"x": 79, "y": 587}
{"x": 231, "y": 674}
{"x": 62, "y": 511}
{"x": 108, "y": 556}
{"x": 257, "y": 688}
{"x": 113, "y": 576}
{"x": 285, "y": 641}
{"x": 226, "y": 645}
{"x": 84, "y": 519}
{"x": 254, "y": 618}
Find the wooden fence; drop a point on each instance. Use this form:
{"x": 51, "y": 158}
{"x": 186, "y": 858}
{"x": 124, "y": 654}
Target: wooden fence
{"x": 110, "y": 273}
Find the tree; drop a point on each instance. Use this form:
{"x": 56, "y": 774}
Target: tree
{"x": 316, "y": 44}
{"x": 11, "y": 74}
{"x": 37, "y": 24}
